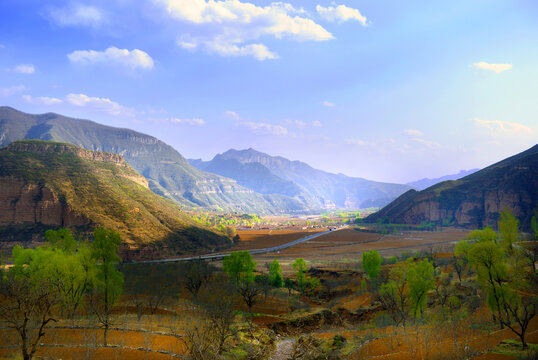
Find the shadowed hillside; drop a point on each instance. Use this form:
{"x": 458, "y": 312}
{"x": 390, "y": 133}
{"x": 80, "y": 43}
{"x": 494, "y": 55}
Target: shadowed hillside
{"x": 475, "y": 200}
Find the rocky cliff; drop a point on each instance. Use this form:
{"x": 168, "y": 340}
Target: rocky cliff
{"x": 475, "y": 200}
{"x": 50, "y": 185}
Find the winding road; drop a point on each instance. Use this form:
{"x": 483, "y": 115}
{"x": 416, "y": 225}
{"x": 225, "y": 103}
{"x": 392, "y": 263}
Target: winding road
{"x": 219, "y": 256}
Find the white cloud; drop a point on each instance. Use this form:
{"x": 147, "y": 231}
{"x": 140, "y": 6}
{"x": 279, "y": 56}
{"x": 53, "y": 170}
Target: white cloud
{"x": 497, "y": 68}
{"x": 341, "y": 13}
{"x": 264, "y": 128}
{"x": 412, "y": 132}
{"x": 121, "y": 57}
{"x": 232, "y": 115}
{"x": 192, "y": 121}
{"x": 77, "y": 15}
{"x": 328, "y": 104}
{"x": 230, "y": 27}
{"x": 316, "y": 123}
{"x": 99, "y": 104}
{"x": 355, "y": 142}
{"x": 2, "y": 46}
{"x": 24, "y": 69}
{"x": 427, "y": 143}
{"x": 41, "y": 100}
{"x": 297, "y": 123}
{"x": 12, "y": 90}
{"x": 499, "y": 128}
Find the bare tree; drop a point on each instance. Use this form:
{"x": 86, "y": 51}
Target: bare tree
{"x": 196, "y": 274}
{"x": 28, "y": 309}
{"x": 217, "y": 310}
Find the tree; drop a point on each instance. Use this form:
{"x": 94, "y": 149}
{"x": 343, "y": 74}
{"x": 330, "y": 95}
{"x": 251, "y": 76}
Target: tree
{"x": 263, "y": 281}
{"x": 275, "y": 274}
{"x": 27, "y": 305}
{"x": 239, "y": 266}
{"x": 74, "y": 268}
{"x": 486, "y": 234}
{"x": 420, "y": 279}
{"x": 250, "y": 292}
{"x": 196, "y": 274}
{"x": 508, "y": 229}
{"x": 488, "y": 260}
{"x": 301, "y": 268}
{"x": 217, "y": 308}
{"x": 288, "y": 284}
{"x": 109, "y": 280}
{"x": 459, "y": 260}
{"x": 371, "y": 263}
{"x": 394, "y": 295}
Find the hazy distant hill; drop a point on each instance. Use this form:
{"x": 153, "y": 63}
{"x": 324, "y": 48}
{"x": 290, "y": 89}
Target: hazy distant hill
{"x": 323, "y": 188}
{"x": 426, "y": 182}
{"x": 168, "y": 172}
{"x": 48, "y": 185}
{"x": 475, "y": 200}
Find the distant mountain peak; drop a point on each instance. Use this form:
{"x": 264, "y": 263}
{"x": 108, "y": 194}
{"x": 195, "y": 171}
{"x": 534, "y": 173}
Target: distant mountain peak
{"x": 427, "y": 182}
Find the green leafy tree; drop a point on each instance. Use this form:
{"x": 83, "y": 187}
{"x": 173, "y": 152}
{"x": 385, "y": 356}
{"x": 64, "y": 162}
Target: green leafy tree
{"x": 394, "y": 295}
{"x": 275, "y": 274}
{"x": 109, "y": 281}
{"x": 300, "y": 266}
{"x": 371, "y": 264}
{"x": 74, "y": 266}
{"x": 239, "y": 266}
{"x": 420, "y": 279}
{"x": 488, "y": 258}
{"x": 459, "y": 260}
{"x": 508, "y": 229}
{"x": 486, "y": 234}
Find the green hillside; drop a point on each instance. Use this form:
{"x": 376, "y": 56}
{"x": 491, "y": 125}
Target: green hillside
{"x": 58, "y": 184}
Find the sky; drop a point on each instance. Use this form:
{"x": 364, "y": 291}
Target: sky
{"x": 385, "y": 90}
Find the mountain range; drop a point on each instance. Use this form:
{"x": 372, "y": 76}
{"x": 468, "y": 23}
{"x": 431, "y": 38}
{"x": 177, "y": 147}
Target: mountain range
{"x": 47, "y": 184}
{"x": 237, "y": 181}
{"x": 426, "y": 182}
{"x": 475, "y": 200}
{"x": 275, "y": 174}
{"x": 169, "y": 174}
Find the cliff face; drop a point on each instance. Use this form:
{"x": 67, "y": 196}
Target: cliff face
{"x": 22, "y": 203}
{"x": 475, "y": 200}
{"x": 45, "y": 147}
{"x": 49, "y": 185}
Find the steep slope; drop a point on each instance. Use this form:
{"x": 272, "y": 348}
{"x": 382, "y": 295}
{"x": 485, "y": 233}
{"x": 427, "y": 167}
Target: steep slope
{"x": 47, "y": 184}
{"x": 168, "y": 172}
{"x": 427, "y": 182}
{"x": 475, "y": 200}
{"x": 328, "y": 190}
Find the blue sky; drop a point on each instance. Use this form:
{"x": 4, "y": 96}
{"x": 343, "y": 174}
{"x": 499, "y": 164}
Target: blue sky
{"x": 386, "y": 90}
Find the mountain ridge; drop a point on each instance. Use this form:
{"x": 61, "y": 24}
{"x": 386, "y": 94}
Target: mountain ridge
{"x": 48, "y": 184}
{"x": 427, "y": 182}
{"x": 318, "y": 186}
{"x": 169, "y": 174}
{"x": 474, "y": 200}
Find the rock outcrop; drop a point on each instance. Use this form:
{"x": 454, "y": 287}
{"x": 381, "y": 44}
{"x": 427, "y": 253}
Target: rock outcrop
{"x": 475, "y": 200}
{"x": 23, "y": 203}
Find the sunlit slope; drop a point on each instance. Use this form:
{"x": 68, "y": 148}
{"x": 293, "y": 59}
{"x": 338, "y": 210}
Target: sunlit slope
{"x": 58, "y": 184}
